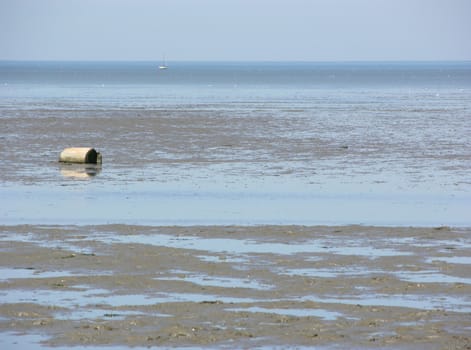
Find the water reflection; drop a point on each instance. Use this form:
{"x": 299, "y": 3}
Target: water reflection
{"x": 80, "y": 171}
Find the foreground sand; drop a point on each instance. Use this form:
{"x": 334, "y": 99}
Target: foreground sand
{"x": 236, "y": 287}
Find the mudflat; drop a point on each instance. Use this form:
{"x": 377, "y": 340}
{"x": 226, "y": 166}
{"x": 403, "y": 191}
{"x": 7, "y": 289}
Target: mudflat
{"x": 182, "y": 236}
{"x": 235, "y": 287}
{"x": 196, "y": 166}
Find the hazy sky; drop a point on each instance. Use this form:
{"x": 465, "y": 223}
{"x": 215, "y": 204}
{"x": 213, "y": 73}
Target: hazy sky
{"x": 307, "y": 30}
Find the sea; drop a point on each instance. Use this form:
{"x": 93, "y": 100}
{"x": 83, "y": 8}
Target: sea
{"x": 237, "y": 143}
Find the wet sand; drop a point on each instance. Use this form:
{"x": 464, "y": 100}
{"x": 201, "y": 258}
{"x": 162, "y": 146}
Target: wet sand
{"x": 236, "y": 287}
{"x": 86, "y": 271}
{"x": 245, "y": 165}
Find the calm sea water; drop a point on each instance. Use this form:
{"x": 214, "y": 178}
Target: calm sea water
{"x": 112, "y": 84}
{"x": 229, "y": 74}
{"x": 230, "y": 143}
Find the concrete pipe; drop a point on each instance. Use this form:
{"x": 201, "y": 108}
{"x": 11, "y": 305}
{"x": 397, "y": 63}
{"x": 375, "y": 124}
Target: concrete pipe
{"x": 80, "y": 155}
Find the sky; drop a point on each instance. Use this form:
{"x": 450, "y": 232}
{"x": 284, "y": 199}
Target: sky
{"x": 235, "y": 30}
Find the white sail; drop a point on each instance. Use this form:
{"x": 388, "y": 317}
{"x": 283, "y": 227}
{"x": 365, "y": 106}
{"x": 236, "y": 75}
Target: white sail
{"x": 163, "y": 65}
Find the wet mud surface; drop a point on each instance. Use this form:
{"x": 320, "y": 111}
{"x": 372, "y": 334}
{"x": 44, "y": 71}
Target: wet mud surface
{"x": 416, "y": 146}
{"x": 204, "y": 157}
{"x": 236, "y": 287}
{"x": 245, "y": 164}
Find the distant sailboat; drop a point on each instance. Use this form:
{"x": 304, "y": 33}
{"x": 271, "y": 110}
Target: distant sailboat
{"x": 163, "y": 65}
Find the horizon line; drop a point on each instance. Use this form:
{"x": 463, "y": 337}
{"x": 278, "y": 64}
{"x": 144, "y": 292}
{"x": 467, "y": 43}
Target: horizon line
{"x": 239, "y": 61}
